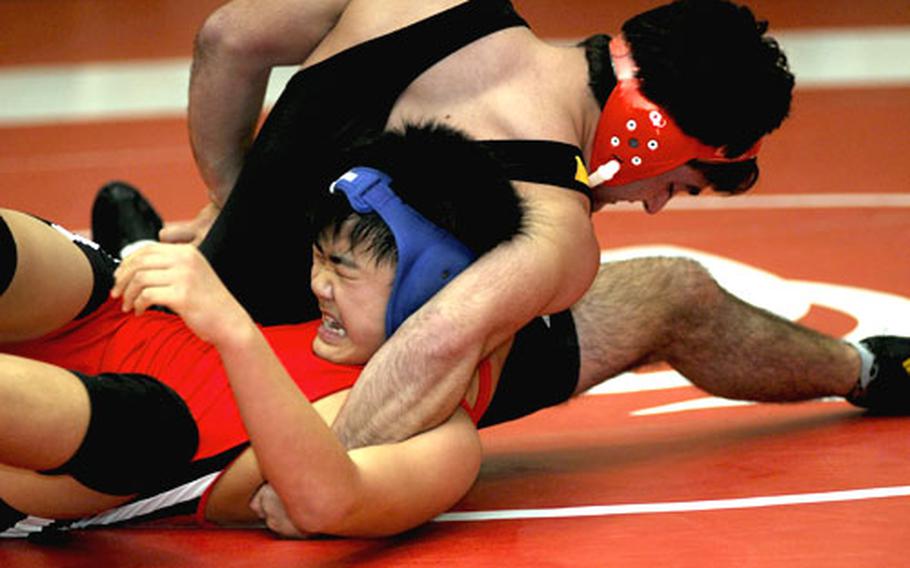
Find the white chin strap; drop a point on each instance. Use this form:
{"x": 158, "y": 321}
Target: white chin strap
{"x": 606, "y": 172}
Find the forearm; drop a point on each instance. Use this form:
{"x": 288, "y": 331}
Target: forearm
{"x": 296, "y": 450}
{"x": 418, "y": 377}
{"x": 401, "y": 485}
{"x": 234, "y": 53}
{"x": 222, "y": 126}
{"x": 393, "y": 399}
{"x": 408, "y": 483}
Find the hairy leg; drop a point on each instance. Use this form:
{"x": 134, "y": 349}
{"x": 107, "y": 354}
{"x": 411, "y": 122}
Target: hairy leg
{"x": 45, "y": 413}
{"x": 672, "y": 310}
{"x": 51, "y": 280}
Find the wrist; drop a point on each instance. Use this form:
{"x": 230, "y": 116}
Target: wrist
{"x": 236, "y": 336}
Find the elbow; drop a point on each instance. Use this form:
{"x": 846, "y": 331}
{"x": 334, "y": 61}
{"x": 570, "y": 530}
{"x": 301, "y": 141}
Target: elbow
{"x": 324, "y": 514}
{"x": 224, "y": 38}
{"x": 326, "y": 505}
{"x": 216, "y": 36}
{"x": 586, "y": 264}
{"x": 578, "y": 258}
{"x": 561, "y": 250}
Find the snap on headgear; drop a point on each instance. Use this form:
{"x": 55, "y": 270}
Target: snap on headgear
{"x": 637, "y": 139}
{"x": 428, "y": 255}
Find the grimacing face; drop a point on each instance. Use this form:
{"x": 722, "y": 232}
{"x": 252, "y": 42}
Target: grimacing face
{"x": 353, "y": 292}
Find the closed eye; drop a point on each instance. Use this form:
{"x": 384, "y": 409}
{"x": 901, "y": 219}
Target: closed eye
{"x": 343, "y": 261}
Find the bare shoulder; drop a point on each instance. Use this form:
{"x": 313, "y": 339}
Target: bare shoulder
{"x": 364, "y": 20}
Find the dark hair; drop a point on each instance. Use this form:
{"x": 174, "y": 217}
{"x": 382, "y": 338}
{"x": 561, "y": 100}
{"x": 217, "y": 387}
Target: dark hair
{"x": 601, "y": 79}
{"x": 728, "y": 177}
{"x": 708, "y": 63}
{"x": 451, "y": 181}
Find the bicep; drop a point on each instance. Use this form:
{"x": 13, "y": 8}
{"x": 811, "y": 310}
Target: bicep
{"x": 408, "y": 483}
{"x": 557, "y": 251}
{"x": 565, "y": 252}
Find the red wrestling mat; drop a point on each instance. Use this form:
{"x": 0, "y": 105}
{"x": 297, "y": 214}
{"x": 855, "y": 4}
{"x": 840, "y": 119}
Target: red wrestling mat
{"x": 804, "y": 485}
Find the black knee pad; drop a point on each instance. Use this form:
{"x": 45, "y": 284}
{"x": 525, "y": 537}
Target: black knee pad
{"x": 102, "y": 263}
{"x": 103, "y": 267}
{"x": 140, "y": 435}
{"x": 8, "y": 256}
{"x": 9, "y": 516}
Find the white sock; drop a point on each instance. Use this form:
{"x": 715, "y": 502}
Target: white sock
{"x": 867, "y": 359}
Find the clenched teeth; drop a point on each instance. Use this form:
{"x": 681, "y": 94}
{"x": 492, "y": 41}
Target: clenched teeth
{"x": 333, "y": 325}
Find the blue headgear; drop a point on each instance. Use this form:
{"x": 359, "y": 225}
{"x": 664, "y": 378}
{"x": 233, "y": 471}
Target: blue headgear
{"x": 428, "y": 256}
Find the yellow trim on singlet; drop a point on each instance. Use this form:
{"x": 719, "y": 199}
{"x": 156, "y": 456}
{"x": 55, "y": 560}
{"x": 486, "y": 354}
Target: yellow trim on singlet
{"x": 581, "y": 173}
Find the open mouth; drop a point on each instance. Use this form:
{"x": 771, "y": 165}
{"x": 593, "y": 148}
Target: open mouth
{"x": 333, "y": 326}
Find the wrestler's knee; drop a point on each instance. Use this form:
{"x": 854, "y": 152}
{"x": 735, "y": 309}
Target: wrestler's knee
{"x": 668, "y": 290}
{"x": 658, "y": 279}
{"x": 690, "y": 291}
{"x": 140, "y": 435}
{"x": 691, "y": 277}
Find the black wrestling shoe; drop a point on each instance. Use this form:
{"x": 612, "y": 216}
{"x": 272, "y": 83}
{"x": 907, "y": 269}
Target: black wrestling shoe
{"x": 120, "y": 216}
{"x": 889, "y": 390}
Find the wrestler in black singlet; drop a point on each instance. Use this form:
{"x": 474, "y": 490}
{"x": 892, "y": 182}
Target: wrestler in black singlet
{"x": 255, "y": 244}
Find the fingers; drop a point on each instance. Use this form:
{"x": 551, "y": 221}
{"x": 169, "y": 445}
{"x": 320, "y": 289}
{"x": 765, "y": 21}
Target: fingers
{"x": 259, "y": 501}
{"x": 147, "y": 288}
{"x": 177, "y": 234}
{"x": 268, "y": 507}
{"x": 191, "y": 232}
{"x": 143, "y": 259}
{"x": 256, "y": 504}
{"x": 150, "y": 276}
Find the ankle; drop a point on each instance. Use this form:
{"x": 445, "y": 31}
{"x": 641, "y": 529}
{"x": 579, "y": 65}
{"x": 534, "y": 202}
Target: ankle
{"x": 855, "y": 380}
{"x": 867, "y": 367}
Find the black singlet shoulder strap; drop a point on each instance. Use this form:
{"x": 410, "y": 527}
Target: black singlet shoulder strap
{"x": 542, "y": 161}
{"x": 399, "y": 57}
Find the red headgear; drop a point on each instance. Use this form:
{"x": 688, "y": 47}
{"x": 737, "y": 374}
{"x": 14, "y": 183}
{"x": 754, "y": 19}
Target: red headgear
{"x": 636, "y": 139}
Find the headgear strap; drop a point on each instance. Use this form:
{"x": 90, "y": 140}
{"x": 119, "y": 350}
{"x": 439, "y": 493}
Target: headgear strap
{"x": 428, "y": 255}
{"x": 636, "y": 139}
